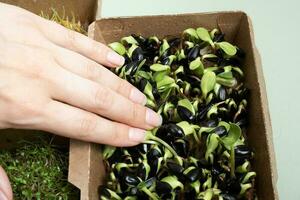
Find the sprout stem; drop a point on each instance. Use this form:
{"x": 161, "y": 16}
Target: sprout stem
{"x": 150, "y": 136}
{"x": 149, "y": 193}
{"x": 232, "y": 163}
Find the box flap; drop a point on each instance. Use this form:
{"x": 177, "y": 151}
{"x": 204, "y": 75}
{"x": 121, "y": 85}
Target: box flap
{"x": 85, "y": 11}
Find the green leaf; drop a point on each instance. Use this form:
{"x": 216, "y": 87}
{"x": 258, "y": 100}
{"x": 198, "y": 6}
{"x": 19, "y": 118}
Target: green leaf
{"x": 173, "y": 182}
{"x": 165, "y": 82}
{"x": 212, "y": 143}
{"x": 248, "y": 177}
{"x": 226, "y": 75}
{"x": 213, "y": 32}
{"x": 148, "y": 91}
{"x": 228, "y": 48}
{"x": 168, "y": 106}
{"x": 197, "y": 66}
{"x": 238, "y": 70}
{"x": 203, "y": 34}
{"x": 154, "y": 39}
{"x": 159, "y": 67}
{"x": 196, "y": 185}
{"x": 243, "y": 168}
{"x": 141, "y": 64}
{"x": 189, "y": 44}
{"x": 186, "y": 127}
{"x": 186, "y": 171}
{"x": 171, "y": 59}
{"x": 128, "y": 40}
{"x": 208, "y": 82}
{"x": 119, "y": 166}
{"x": 143, "y": 74}
{"x": 226, "y": 82}
{"x": 108, "y": 151}
{"x": 113, "y": 194}
{"x": 191, "y": 33}
{"x": 130, "y": 198}
{"x": 166, "y": 91}
{"x": 245, "y": 187}
{"x": 150, "y": 103}
{"x": 131, "y": 49}
{"x": 207, "y": 185}
{"x": 212, "y": 110}
{"x": 209, "y": 56}
{"x": 205, "y": 130}
{"x": 180, "y": 54}
{"x": 180, "y": 69}
{"x": 234, "y": 134}
{"x": 225, "y": 124}
{"x": 158, "y": 76}
{"x": 211, "y": 69}
{"x": 118, "y": 47}
{"x": 165, "y": 45}
{"x": 187, "y": 104}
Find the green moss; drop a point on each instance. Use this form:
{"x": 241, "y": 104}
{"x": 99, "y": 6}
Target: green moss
{"x": 38, "y": 171}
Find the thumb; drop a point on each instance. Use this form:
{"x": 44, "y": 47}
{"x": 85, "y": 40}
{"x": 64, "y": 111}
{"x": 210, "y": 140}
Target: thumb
{"x": 5, "y": 188}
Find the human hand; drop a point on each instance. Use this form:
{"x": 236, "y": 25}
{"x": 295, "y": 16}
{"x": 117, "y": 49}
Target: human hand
{"x": 53, "y": 79}
{"x": 5, "y": 189}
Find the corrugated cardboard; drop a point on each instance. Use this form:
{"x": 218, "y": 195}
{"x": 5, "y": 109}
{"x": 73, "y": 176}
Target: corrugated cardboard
{"x": 83, "y": 10}
{"x": 86, "y": 168}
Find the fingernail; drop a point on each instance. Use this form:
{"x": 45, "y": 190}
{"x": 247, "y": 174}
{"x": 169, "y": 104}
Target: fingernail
{"x": 137, "y": 96}
{"x": 137, "y": 135}
{"x": 3, "y": 196}
{"x": 152, "y": 118}
{"x": 115, "y": 58}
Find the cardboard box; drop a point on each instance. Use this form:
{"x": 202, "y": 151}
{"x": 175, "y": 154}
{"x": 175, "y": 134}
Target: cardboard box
{"x": 86, "y": 169}
{"x": 84, "y": 11}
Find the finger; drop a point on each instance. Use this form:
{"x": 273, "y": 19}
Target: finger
{"x": 5, "y": 188}
{"x": 72, "y": 122}
{"x": 93, "y": 71}
{"x": 79, "y": 43}
{"x": 77, "y": 91}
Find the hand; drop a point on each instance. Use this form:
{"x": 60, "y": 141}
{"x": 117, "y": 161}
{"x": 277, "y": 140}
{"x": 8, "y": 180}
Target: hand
{"x": 53, "y": 79}
{"x": 5, "y": 189}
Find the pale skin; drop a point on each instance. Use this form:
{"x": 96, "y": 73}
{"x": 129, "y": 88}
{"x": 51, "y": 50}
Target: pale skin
{"x": 54, "y": 79}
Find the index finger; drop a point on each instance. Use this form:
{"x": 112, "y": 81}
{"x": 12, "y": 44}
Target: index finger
{"x": 80, "y": 43}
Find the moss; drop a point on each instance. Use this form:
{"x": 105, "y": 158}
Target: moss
{"x": 72, "y": 24}
{"x": 38, "y": 170}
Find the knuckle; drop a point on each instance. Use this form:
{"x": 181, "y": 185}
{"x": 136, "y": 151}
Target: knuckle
{"x": 24, "y": 113}
{"x": 135, "y": 112}
{"x": 103, "y": 99}
{"x": 87, "y": 126}
{"x": 39, "y": 64}
{"x": 97, "y": 49}
{"x": 123, "y": 87}
{"x": 94, "y": 46}
{"x": 120, "y": 133}
{"x": 72, "y": 40}
{"x": 92, "y": 72}
{"x": 23, "y": 20}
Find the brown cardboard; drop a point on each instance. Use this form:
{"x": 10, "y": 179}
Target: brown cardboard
{"x": 84, "y": 11}
{"x": 238, "y": 29}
